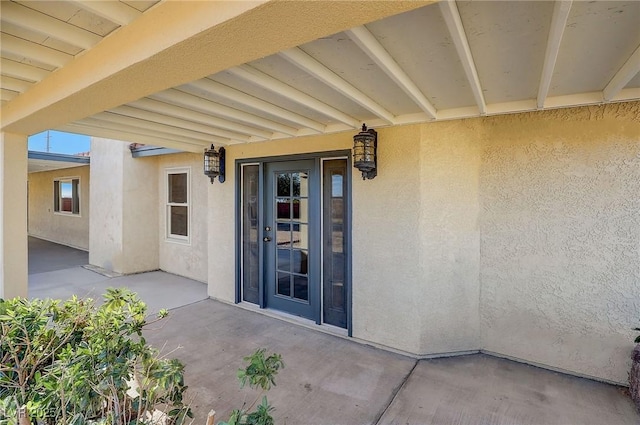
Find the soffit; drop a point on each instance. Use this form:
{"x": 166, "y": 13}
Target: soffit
{"x": 41, "y": 165}
{"x": 45, "y": 161}
{"x": 446, "y": 60}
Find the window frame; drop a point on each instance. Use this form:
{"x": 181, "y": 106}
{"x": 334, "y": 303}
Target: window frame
{"x": 75, "y": 201}
{"x": 171, "y": 237}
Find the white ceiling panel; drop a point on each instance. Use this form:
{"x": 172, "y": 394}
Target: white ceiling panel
{"x": 443, "y": 61}
{"x": 602, "y": 52}
{"x": 420, "y": 43}
{"x": 6, "y": 94}
{"x": 273, "y": 97}
{"x": 340, "y": 54}
{"x": 508, "y": 41}
{"x": 200, "y": 104}
{"x": 283, "y": 70}
{"x": 72, "y": 13}
{"x": 22, "y": 71}
{"x": 635, "y": 82}
{"x": 39, "y": 38}
{"x": 140, "y": 5}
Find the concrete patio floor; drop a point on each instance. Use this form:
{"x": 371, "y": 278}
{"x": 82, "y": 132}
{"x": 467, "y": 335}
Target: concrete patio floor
{"x": 332, "y": 380}
{"x": 56, "y": 271}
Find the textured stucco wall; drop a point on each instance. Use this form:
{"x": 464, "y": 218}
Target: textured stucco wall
{"x": 449, "y": 236}
{"x": 13, "y": 215}
{"x": 560, "y": 237}
{"x": 107, "y": 195}
{"x": 123, "y": 234}
{"x": 415, "y": 276}
{"x": 388, "y": 283}
{"x": 185, "y": 259}
{"x": 66, "y": 229}
{"x": 518, "y": 235}
{"x": 140, "y": 203}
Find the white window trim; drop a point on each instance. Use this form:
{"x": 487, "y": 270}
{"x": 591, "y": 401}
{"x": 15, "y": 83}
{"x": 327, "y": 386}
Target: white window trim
{"x": 59, "y": 180}
{"x": 186, "y": 240}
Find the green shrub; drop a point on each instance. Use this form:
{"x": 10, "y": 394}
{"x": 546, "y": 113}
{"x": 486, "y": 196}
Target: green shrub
{"x": 259, "y": 373}
{"x": 72, "y": 363}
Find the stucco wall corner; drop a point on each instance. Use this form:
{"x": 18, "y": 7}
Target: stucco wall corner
{"x": 449, "y": 236}
{"x": 560, "y": 238}
{"x": 221, "y": 261}
{"x": 106, "y": 197}
{"x": 44, "y": 223}
{"x": 387, "y": 278}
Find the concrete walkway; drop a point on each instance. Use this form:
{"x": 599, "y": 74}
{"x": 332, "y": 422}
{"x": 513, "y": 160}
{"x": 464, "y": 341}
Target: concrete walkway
{"x": 330, "y": 380}
{"x": 56, "y": 271}
{"x": 45, "y": 256}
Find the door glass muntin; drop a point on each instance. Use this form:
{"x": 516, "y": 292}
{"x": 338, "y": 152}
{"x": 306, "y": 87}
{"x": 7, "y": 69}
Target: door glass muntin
{"x": 291, "y": 212}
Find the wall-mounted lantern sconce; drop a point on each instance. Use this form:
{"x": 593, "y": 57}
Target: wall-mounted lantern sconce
{"x": 365, "y": 158}
{"x": 214, "y": 164}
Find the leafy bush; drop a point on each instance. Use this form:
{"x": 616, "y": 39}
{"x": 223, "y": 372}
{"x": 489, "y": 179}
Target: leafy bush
{"x": 72, "y": 363}
{"x": 259, "y": 373}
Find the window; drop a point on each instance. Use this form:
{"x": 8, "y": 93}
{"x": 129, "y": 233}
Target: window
{"x": 178, "y": 204}
{"x": 66, "y": 196}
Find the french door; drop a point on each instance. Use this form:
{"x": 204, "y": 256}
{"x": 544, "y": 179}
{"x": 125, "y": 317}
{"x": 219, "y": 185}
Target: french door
{"x": 293, "y": 238}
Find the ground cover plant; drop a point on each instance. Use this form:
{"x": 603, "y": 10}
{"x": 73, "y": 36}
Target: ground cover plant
{"x": 75, "y": 363}
{"x": 260, "y": 374}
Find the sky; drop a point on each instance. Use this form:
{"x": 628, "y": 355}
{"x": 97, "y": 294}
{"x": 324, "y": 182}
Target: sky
{"x": 59, "y": 142}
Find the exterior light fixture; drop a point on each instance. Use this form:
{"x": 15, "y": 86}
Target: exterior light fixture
{"x": 365, "y": 158}
{"x": 214, "y": 164}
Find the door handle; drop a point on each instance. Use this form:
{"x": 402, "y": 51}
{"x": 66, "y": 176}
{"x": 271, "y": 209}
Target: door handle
{"x": 266, "y": 239}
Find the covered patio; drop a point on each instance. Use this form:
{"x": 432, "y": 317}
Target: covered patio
{"x": 329, "y": 379}
{"x": 503, "y": 219}
{"x": 332, "y": 380}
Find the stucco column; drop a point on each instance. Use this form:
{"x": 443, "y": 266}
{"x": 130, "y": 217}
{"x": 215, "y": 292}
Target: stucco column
{"x": 123, "y": 229}
{"x": 13, "y": 215}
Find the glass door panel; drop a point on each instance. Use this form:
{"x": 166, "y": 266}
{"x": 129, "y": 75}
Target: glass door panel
{"x": 250, "y": 234}
{"x": 295, "y": 237}
{"x": 334, "y": 213}
{"x": 290, "y": 278}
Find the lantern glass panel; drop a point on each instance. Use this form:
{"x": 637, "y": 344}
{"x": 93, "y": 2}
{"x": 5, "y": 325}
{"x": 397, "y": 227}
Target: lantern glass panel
{"x": 364, "y": 153}
{"x": 212, "y": 164}
{"x": 369, "y": 152}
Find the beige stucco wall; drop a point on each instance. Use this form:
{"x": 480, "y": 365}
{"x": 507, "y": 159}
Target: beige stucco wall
{"x": 105, "y": 235}
{"x": 560, "y": 244}
{"x": 123, "y": 233}
{"x": 140, "y": 234}
{"x": 415, "y": 241}
{"x": 449, "y": 236}
{"x": 184, "y": 258}
{"x": 44, "y": 223}
{"x": 415, "y": 276}
{"x": 13, "y": 215}
{"x": 518, "y": 235}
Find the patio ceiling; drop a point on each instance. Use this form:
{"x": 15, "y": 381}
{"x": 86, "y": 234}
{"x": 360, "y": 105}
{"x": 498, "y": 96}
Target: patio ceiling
{"x": 443, "y": 61}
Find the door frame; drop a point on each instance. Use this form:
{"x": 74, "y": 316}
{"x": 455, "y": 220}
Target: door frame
{"x": 319, "y": 157}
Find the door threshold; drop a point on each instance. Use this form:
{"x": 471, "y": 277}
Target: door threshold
{"x": 296, "y": 320}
